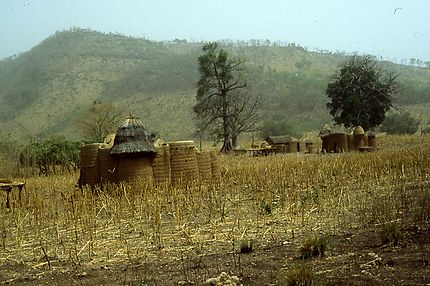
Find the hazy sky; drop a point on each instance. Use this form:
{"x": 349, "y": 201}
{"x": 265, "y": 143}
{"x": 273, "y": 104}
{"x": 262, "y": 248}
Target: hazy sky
{"x": 393, "y": 29}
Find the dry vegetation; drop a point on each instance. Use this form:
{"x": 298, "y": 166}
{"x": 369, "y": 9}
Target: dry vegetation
{"x": 276, "y": 201}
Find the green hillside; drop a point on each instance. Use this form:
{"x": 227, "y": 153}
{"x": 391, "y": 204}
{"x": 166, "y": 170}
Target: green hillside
{"x": 44, "y": 90}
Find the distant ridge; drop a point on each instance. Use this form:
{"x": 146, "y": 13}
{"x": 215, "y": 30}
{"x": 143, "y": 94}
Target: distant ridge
{"x": 43, "y": 91}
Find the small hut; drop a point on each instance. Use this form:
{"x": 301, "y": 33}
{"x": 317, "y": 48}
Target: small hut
{"x": 183, "y": 162}
{"x": 133, "y": 149}
{"x": 360, "y": 138}
{"x": 281, "y": 143}
{"x": 90, "y": 168}
{"x": 371, "y": 139}
{"x": 334, "y": 141}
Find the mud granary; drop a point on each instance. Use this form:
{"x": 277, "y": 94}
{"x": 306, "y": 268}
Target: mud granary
{"x": 339, "y": 142}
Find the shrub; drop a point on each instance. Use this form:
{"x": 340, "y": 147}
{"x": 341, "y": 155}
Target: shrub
{"x": 400, "y": 123}
{"x": 390, "y": 233}
{"x": 247, "y": 245}
{"x": 300, "y": 275}
{"x": 312, "y": 247}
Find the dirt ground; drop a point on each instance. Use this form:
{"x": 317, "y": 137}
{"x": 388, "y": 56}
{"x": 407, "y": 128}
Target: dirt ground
{"x": 353, "y": 258}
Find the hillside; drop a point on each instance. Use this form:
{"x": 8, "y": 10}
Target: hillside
{"x": 44, "y": 90}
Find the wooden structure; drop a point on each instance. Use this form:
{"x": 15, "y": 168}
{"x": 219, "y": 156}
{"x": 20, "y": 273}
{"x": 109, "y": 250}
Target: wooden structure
{"x": 7, "y": 186}
{"x": 257, "y": 151}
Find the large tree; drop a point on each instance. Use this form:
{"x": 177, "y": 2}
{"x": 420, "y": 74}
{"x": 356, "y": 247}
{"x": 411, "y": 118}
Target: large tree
{"x": 224, "y": 106}
{"x": 361, "y": 92}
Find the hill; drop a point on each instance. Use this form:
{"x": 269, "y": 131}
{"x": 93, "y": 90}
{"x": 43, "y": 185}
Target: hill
{"x": 44, "y": 90}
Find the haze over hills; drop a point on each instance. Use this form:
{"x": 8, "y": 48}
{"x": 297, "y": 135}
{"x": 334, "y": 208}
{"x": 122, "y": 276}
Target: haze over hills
{"x": 44, "y": 90}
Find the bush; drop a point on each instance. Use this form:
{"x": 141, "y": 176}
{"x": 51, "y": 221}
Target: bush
{"x": 52, "y": 153}
{"x": 300, "y": 275}
{"x": 390, "y": 234}
{"x": 400, "y": 123}
{"x": 312, "y": 247}
{"x": 247, "y": 245}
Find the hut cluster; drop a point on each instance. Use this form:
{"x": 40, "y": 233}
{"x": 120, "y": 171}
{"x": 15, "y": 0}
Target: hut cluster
{"x": 131, "y": 155}
{"x": 288, "y": 144}
{"x": 338, "y": 142}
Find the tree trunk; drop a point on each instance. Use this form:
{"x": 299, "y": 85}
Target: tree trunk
{"x": 234, "y": 141}
{"x": 227, "y": 146}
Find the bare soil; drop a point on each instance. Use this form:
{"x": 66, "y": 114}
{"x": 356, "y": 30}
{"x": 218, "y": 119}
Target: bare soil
{"x": 356, "y": 257}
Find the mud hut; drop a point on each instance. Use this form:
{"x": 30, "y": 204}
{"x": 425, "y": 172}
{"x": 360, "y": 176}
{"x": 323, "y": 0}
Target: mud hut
{"x": 351, "y": 145}
{"x": 326, "y": 130}
{"x": 282, "y": 143}
{"x": 90, "y": 168}
{"x": 371, "y": 139}
{"x": 335, "y": 142}
{"x": 161, "y": 164}
{"x": 107, "y": 163}
{"x": 183, "y": 162}
{"x": 133, "y": 150}
{"x": 360, "y": 138}
{"x": 308, "y": 145}
{"x": 295, "y": 146}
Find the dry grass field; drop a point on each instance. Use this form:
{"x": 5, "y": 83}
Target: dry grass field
{"x": 333, "y": 219}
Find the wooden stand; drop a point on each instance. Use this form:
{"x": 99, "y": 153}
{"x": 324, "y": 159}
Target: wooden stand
{"x": 7, "y": 187}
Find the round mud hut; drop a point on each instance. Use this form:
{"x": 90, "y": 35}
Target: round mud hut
{"x": 183, "y": 162}
{"x": 161, "y": 165}
{"x": 335, "y": 142}
{"x": 324, "y": 134}
{"x": 133, "y": 150}
{"x": 371, "y": 139}
{"x": 90, "y": 168}
{"x": 360, "y": 138}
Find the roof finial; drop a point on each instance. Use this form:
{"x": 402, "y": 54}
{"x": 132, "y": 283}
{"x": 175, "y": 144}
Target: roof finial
{"x": 131, "y": 116}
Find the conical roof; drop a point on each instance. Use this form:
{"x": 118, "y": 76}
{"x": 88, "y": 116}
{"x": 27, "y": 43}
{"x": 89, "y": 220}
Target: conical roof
{"x": 326, "y": 130}
{"x": 132, "y": 137}
{"x": 358, "y": 131}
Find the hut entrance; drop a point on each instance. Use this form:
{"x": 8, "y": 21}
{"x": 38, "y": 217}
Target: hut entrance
{"x": 298, "y": 146}
{"x": 335, "y": 147}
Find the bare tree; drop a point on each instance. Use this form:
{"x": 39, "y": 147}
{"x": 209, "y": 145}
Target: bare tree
{"x": 100, "y": 120}
{"x": 224, "y": 106}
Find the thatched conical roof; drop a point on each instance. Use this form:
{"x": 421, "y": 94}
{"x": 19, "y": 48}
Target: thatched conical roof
{"x": 132, "y": 137}
{"x": 326, "y": 130}
{"x": 358, "y": 130}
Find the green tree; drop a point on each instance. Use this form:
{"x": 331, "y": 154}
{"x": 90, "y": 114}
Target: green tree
{"x": 277, "y": 125}
{"x": 361, "y": 92}
{"x": 50, "y": 155}
{"x": 224, "y": 107}
{"x": 100, "y": 120}
{"x": 400, "y": 123}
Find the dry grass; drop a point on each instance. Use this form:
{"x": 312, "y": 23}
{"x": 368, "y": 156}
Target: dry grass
{"x": 57, "y": 226}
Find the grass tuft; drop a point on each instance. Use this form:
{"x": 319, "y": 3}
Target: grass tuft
{"x": 300, "y": 275}
{"x": 390, "y": 233}
{"x": 313, "y": 247}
